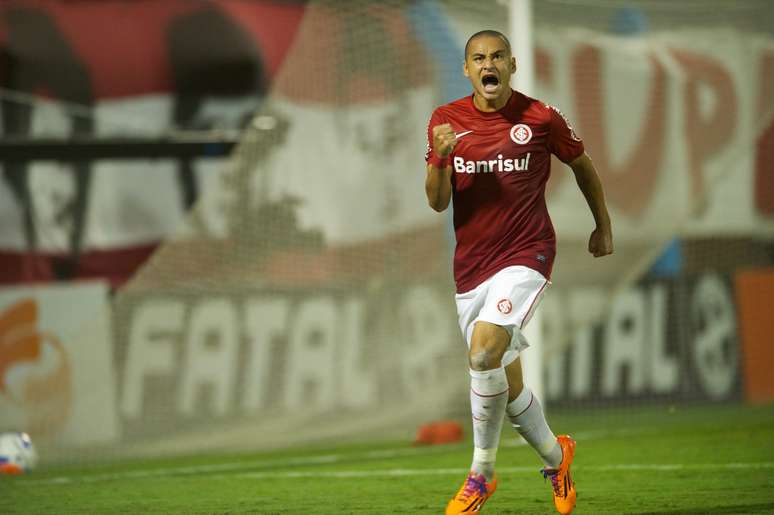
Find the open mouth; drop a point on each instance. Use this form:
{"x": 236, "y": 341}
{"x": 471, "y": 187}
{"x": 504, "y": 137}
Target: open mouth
{"x": 490, "y": 83}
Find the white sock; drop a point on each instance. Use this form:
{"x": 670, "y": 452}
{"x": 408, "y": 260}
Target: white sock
{"x": 488, "y": 397}
{"x": 528, "y": 419}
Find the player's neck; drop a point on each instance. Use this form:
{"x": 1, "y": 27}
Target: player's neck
{"x": 490, "y": 106}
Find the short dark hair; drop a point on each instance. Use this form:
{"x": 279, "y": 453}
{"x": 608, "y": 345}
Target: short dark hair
{"x": 488, "y": 32}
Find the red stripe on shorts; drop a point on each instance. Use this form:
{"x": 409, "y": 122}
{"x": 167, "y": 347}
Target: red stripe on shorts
{"x": 532, "y": 306}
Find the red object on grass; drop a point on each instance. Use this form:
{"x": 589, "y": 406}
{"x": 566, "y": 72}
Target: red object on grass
{"x": 11, "y": 469}
{"x": 439, "y": 432}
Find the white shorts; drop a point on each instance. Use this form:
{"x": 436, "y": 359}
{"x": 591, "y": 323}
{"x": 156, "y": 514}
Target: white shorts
{"x": 508, "y": 299}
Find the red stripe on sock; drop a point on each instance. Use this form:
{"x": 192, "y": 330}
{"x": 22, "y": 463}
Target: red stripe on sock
{"x": 493, "y": 395}
{"x": 531, "y": 398}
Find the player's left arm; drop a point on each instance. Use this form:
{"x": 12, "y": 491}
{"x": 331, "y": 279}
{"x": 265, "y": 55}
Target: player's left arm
{"x": 601, "y": 239}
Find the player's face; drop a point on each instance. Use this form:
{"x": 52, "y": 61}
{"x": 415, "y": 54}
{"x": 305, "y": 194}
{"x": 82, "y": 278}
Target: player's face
{"x": 489, "y": 66}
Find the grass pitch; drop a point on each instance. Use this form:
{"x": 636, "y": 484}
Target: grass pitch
{"x": 697, "y": 460}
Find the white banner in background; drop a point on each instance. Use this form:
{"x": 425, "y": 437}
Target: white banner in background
{"x": 671, "y": 121}
{"x": 56, "y": 363}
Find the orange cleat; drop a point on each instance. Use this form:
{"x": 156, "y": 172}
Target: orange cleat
{"x": 474, "y": 493}
{"x": 561, "y": 481}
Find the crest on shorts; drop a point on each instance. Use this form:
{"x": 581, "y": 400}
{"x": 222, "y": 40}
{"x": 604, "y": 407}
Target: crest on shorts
{"x": 521, "y": 133}
{"x": 504, "y": 306}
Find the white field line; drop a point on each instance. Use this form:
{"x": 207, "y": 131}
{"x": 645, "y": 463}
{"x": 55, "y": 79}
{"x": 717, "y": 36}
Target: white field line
{"x": 501, "y": 470}
{"x": 214, "y": 469}
{"x": 396, "y": 472}
{"x": 324, "y": 459}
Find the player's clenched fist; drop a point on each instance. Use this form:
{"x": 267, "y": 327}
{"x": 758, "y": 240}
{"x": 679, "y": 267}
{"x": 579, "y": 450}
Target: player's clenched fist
{"x": 443, "y": 140}
{"x": 601, "y": 242}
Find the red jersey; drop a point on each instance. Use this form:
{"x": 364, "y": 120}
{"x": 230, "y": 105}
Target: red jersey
{"x": 500, "y": 166}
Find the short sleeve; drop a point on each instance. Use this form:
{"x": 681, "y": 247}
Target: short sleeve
{"x": 435, "y": 119}
{"x": 562, "y": 140}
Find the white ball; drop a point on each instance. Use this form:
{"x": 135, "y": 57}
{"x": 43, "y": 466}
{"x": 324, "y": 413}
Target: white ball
{"x": 17, "y": 454}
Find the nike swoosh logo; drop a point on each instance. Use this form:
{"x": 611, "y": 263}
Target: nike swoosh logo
{"x": 461, "y": 134}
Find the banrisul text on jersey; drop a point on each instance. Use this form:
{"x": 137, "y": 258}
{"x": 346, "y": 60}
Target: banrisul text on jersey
{"x": 491, "y": 165}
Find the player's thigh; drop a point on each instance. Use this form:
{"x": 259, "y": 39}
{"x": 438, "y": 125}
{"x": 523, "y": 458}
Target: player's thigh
{"x": 503, "y": 304}
{"x": 512, "y": 296}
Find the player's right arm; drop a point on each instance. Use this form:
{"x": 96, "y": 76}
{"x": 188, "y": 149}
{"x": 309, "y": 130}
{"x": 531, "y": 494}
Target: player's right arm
{"x": 438, "y": 186}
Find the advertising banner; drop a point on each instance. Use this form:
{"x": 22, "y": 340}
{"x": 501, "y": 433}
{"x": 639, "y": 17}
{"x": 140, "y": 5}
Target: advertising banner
{"x": 56, "y": 364}
{"x": 663, "y": 340}
{"x": 261, "y": 355}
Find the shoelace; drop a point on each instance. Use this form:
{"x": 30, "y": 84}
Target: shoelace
{"x": 554, "y": 477}
{"x": 472, "y": 484}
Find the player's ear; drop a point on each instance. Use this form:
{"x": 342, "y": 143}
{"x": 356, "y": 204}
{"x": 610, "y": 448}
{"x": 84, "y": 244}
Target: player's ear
{"x": 513, "y": 65}
{"x": 465, "y": 68}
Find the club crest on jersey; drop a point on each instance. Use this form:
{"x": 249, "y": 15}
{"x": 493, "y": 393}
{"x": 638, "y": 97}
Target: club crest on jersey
{"x": 521, "y": 133}
{"x": 504, "y": 306}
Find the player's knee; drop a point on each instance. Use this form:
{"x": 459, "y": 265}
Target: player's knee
{"x": 487, "y": 346}
{"x": 485, "y": 358}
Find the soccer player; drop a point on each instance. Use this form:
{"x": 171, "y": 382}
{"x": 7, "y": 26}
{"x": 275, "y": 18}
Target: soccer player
{"x": 491, "y": 153}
